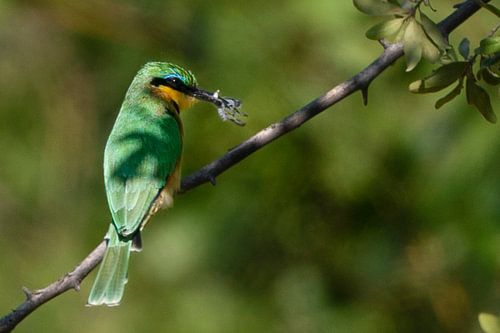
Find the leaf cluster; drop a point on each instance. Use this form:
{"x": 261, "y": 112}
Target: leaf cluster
{"x": 462, "y": 72}
{"x": 421, "y": 38}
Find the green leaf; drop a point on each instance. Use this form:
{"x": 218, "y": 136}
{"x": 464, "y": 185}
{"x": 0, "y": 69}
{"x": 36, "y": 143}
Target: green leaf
{"x": 433, "y": 32}
{"x": 450, "y": 96}
{"x": 385, "y": 29}
{"x": 412, "y": 43}
{"x": 430, "y": 50}
{"x": 401, "y": 33}
{"x": 488, "y": 76}
{"x": 417, "y": 44}
{"x": 440, "y": 78}
{"x": 490, "y": 45}
{"x": 489, "y": 323}
{"x": 478, "y": 97}
{"x": 464, "y": 48}
{"x": 378, "y": 7}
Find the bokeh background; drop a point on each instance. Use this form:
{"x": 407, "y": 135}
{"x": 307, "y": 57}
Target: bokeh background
{"x": 383, "y": 218}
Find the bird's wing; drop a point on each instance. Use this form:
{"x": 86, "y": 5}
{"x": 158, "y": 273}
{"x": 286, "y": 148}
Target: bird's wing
{"x": 140, "y": 155}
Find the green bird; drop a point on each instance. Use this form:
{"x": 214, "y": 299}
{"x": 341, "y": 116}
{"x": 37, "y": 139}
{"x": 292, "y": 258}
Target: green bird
{"x": 142, "y": 163}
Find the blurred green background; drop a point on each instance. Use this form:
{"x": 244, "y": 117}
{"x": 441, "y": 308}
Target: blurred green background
{"x": 367, "y": 219}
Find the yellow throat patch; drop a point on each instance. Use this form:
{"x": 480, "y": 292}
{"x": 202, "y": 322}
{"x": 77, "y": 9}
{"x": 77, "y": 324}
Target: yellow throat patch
{"x": 168, "y": 94}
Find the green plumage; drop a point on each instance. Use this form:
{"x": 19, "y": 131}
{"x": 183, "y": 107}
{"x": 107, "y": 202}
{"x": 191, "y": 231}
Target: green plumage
{"x": 142, "y": 151}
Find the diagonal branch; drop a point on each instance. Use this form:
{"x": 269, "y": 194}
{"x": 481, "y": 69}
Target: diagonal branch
{"x": 208, "y": 173}
{"x": 360, "y": 81}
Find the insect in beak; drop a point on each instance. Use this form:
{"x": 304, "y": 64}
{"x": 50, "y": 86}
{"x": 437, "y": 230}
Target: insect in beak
{"x": 228, "y": 108}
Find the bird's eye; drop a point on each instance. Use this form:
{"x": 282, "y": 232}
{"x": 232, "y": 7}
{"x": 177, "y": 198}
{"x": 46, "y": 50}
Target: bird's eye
{"x": 168, "y": 80}
{"x": 174, "y": 81}
{"x": 172, "y": 78}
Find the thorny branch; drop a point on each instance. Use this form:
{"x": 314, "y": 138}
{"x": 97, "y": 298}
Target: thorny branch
{"x": 208, "y": 173}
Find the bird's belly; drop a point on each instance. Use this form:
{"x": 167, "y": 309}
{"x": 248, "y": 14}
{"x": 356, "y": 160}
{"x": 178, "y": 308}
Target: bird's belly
{"x": 165, "y": 198}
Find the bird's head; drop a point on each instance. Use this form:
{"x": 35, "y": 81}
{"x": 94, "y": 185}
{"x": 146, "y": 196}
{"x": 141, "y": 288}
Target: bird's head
{"x": 177, "y": 85}
{"x": 171, "y": 83}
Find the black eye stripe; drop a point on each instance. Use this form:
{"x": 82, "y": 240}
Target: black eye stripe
{"x": 158, "y": 81}
{"x": 172, "y": 82}
{"x": 169, "y": 82}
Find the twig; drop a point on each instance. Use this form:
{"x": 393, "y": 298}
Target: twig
{"x": 208, "y": 173}
{"x": 36, "y": 298}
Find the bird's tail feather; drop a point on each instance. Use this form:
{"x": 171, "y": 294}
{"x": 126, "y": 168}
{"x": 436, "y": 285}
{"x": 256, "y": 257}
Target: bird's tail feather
{"x": 112, "y": 276}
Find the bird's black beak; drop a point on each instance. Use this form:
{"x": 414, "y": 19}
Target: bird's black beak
{"x": 227, "y": 107}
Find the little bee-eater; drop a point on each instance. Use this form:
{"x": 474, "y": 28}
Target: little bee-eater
{"x": 142, "y": 163}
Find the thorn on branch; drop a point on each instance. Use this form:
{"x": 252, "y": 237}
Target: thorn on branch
{"x": 385, "y": 44}
{"x": 364, "y": 93}
{"x": 73, "y": 282}
{"x": 212, "y": 180}
{"x": 27, "y": 293}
